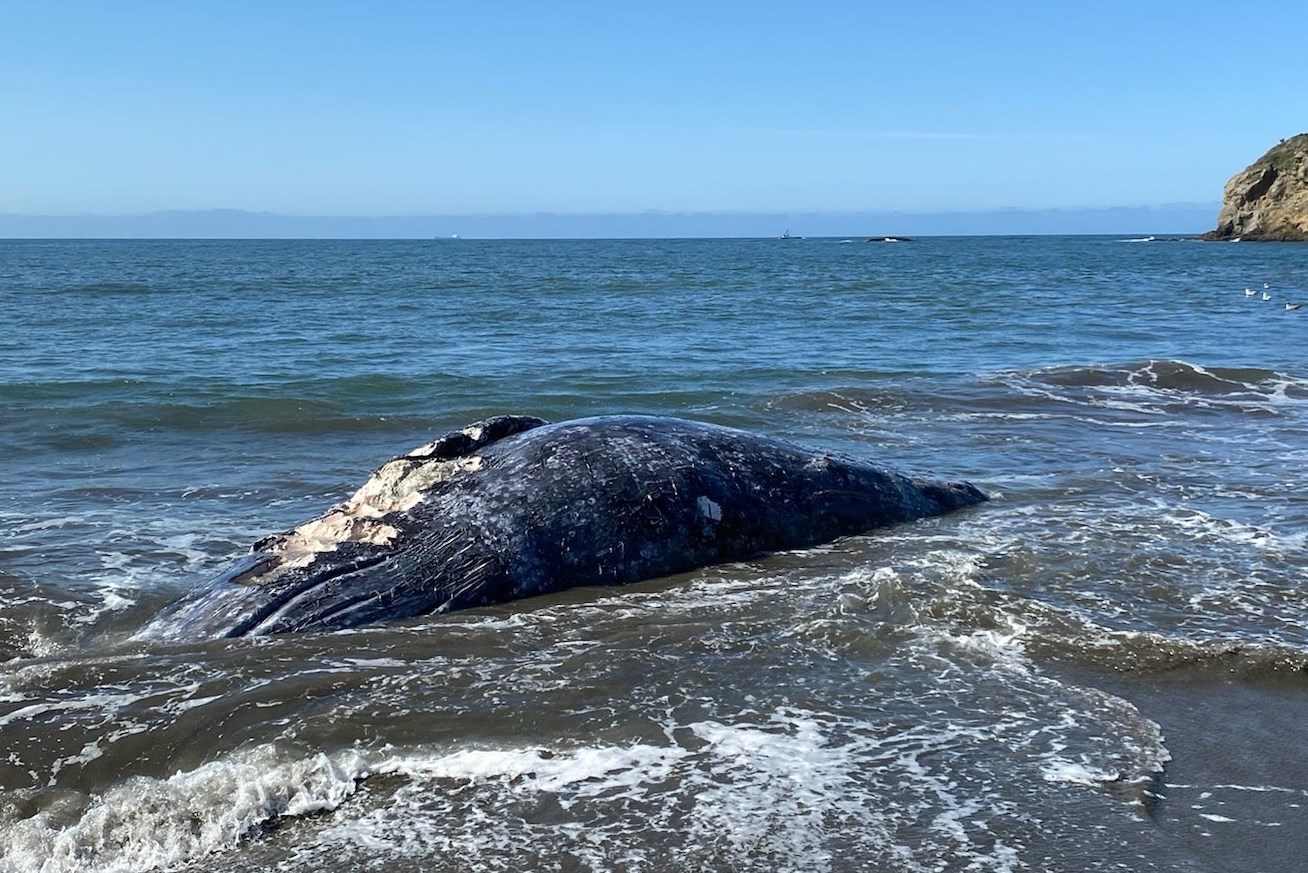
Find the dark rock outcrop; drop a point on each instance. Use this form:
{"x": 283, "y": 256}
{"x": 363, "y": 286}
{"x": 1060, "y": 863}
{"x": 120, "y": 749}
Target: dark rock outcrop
{"x": 1268, "y": 200}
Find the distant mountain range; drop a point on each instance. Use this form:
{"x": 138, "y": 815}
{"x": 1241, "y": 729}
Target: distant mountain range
{"x": 1185, "y": 218}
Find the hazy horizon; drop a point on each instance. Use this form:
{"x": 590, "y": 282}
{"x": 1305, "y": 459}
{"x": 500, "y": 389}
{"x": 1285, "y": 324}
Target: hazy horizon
{"x": 1179, "y": 219}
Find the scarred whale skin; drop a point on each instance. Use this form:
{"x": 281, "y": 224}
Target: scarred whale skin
{"x": 512, "y": 507}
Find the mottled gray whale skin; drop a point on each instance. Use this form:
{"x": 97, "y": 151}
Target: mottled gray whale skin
{"x": 513, "y": 507}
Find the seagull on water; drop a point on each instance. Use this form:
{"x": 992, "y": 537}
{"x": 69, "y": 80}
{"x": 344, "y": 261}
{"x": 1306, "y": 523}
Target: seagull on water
{"x": 1266, "y": 296}
{"x": 1249, "y": 292}
{"x": 1291, "y": 307}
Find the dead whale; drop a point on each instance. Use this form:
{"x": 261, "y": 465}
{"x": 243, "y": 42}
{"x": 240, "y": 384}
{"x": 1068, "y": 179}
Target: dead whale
{"x": 512, "y": 507}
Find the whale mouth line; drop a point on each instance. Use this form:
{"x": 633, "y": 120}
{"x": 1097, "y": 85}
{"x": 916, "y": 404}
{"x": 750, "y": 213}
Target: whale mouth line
{"x": 283, "y": 602}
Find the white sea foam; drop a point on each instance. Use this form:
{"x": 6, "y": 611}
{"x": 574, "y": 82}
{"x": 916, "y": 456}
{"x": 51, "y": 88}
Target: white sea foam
{"x": 785, "y": 788}
{"x": 1215, "y": 818}
{"x": 792, "y": 790}
{"x": 1058, "y": 769}
{"x": 1204, "y": 526}
{"x": 144, "y": 824}
{"x": 777, "y": 795}
{"x": 103, "y": 702}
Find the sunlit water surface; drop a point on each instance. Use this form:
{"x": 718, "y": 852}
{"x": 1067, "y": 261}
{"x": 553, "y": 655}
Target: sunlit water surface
{"x": 1101, "y": 669}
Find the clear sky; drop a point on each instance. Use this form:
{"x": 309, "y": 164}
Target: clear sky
{"x": 394, "y": 108}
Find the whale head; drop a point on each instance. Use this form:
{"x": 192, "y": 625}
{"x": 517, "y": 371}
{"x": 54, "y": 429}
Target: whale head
{"x": 347, "y": 566}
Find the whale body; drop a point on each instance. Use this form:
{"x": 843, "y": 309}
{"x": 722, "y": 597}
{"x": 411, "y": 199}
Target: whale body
{"x": 512, "y": 507}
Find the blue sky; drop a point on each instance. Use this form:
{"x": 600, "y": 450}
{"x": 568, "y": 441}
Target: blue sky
{"x": 402, "y": 108}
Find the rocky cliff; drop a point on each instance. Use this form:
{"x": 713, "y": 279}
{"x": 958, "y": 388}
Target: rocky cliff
{"x": 1268, "y": 200}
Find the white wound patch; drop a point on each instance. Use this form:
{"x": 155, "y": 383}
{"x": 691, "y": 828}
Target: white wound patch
{"x": 709, "y": 509}
{"x": 474, "y": 432}
{"x": 397, "y": 486}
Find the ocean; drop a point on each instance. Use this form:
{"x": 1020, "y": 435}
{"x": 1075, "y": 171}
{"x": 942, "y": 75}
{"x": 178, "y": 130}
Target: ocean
{"x": 1103, "y": 668}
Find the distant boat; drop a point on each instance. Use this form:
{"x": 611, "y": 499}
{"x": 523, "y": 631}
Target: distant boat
{"x": 787, "y": 235}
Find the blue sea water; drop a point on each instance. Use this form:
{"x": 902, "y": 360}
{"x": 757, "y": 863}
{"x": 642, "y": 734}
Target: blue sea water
{"x": 1101, "y": 669}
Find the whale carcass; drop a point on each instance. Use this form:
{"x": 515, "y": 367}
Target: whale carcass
{"x": 512, "y": 507}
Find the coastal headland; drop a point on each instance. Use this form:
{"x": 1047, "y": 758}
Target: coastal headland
{"x": 1268, "y": 200}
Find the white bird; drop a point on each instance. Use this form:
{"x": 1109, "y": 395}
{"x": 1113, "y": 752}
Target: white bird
{"x": 1266, "y": 296}
{"x": 1249, "y": 292}
{"x": 1265, "y": 285}
{"x": 1291, "y": 307}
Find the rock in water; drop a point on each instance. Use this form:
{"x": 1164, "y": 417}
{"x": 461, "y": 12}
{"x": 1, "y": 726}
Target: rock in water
{"x": 1268, "y": 200}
